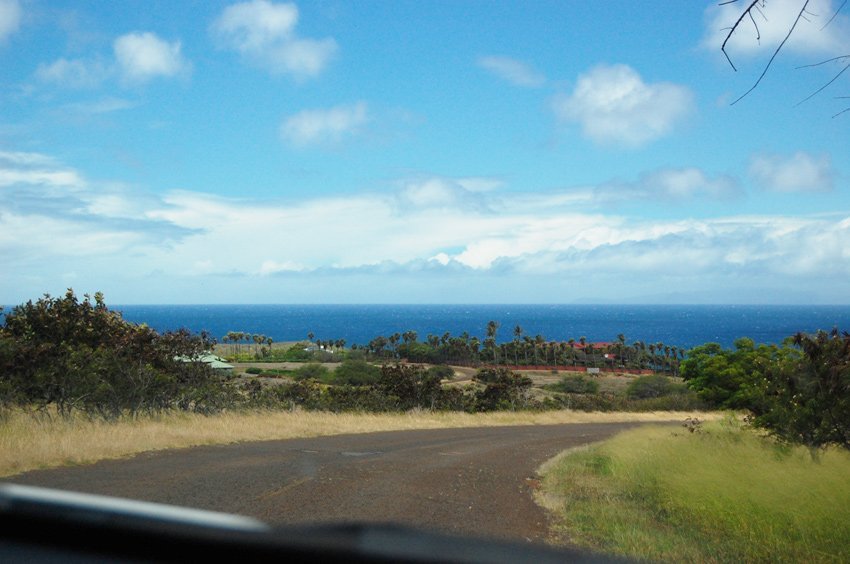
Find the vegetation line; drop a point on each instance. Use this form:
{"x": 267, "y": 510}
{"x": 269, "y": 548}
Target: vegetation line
{"x": 31, "y": 441}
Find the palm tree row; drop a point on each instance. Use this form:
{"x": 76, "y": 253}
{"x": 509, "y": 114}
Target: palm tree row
{"x": 525, "y": 350}
{"x": 240, "y": 337}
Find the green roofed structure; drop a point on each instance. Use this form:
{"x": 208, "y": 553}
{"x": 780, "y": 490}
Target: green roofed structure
{"x": 215, "y": 362}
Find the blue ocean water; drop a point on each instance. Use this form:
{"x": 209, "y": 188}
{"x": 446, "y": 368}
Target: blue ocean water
{"x": 681, "y": 325}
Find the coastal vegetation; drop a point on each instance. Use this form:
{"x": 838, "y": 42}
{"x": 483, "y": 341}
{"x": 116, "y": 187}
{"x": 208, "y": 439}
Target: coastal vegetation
{"x": 713, "y": 492}
{"x": 65, "y": 355}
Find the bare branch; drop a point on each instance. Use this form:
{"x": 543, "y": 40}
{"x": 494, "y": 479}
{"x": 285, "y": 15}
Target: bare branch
{"x": 822, "y": 88}
{"x": 834, "y": 15}
{"x": 824, "y": 62}
{"x": 775, "y": 53}
{"x": 734, "y": 27}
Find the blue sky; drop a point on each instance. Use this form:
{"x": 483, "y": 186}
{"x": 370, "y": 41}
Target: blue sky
{"x": 422, "y": 152}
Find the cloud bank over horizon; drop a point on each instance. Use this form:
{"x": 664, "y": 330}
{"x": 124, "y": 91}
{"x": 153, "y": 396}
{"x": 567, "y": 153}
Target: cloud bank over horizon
{"x": 457, "y": 229}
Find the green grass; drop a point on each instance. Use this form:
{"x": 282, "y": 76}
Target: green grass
{"x": 724, "y": 494}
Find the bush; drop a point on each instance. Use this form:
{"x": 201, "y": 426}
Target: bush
{"x": 652, "y": 386}
{"x": 356, "y": 373}
{"x": 311, "y": 371}
{"x": 253, "y": 370}
{"x": 805, "y": 396}
{"x": 79, "y": 355}
{"x": 504, "y": 389}
{"x": 296, "y": 353}
{"x": 576, "y": 384}
{"x": 442, "y": 372}
{"x": 407, "y": 386}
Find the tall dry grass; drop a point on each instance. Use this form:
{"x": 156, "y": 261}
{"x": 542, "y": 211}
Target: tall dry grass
{"x": 29, "y": 441}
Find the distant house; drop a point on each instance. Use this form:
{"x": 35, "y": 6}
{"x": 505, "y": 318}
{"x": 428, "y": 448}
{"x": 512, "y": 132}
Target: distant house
{"x": 215, "y": 362}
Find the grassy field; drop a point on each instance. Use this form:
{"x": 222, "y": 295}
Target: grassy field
{"x": 723, "y": 494}
{"x": 28, "y": 442}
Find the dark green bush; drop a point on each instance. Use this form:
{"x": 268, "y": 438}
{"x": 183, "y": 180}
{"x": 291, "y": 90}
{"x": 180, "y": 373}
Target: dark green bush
{"x": 653, "y": 386}
{"x": 253, "y": 370}
{"x": 407, "y": 386}
{"x": 311, "y": 371}
{"x": 504, "y": 390}
{"x": 575, "y": 384}
{"x": 296, "y": 353}
{"x": 442, "y": 371}
{"x": 355, "y": 373}
{"x": 80, "y": 355}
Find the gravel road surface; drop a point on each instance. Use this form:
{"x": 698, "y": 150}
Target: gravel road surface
{"x": 476, "y": 481}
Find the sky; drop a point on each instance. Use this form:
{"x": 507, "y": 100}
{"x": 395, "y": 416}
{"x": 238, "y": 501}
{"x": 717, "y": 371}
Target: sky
{"x": 424, "y": 152}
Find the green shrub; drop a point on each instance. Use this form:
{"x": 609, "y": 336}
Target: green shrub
{"x": 296, "y": 353}
{"x": 653, "y": 386}
{"x": 356, "y": 373}
{"x": 311, "y": 371}
{"x": 576, "y": 384}
{"x": 253, "y": 370}
{"x": 504, "y": 389}
{"x": 79, "y": 355}
{"x": 441, "y": 371}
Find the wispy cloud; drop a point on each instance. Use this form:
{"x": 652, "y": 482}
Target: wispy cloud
{"x": 613, "y": 105}
{"x": 102, "y": 106}
{"x": 264, "y": 34}
{"x": 514, "y": 71}
{"x": 35, "y": 169}
{"x": 673, "y": 185}
{"x": 800, "y": 172}
{"x": 73, "y": 73}
{"x": 324, "y": 126}
{"x": 10, "y": 18}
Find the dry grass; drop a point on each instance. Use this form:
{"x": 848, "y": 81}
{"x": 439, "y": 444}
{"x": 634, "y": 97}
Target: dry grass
{"x": 29, "y": 442}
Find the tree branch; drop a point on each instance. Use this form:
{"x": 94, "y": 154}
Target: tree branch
{"x": 735, "y": 27}
{"x": 775, "y": 53}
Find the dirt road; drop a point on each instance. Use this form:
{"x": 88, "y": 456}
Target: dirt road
{"x": 461, "y": 481}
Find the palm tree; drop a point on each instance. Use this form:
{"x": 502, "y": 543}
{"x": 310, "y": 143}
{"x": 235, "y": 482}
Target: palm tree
{"x": 517, "y": 336}
{"x": 492, "y": 329}
{"x": 621, "y": 349}
{"x": 651, "y": 348}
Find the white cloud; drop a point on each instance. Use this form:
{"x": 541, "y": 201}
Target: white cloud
{"x": 773, "y": 20}
{"x": 613, "y": 104}
{"x": 73, "y": 73}
{"x": 516, "y": 72}
{"x": 10, "y": 18}
{"x": 800, "y": 172}
{"x": 264, "y": 34}
{"x": 143, "y": 56}
{"x": 322, "y": 126}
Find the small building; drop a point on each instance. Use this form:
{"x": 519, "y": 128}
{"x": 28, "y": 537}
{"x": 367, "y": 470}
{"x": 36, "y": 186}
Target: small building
{"x": 213, "y": 361}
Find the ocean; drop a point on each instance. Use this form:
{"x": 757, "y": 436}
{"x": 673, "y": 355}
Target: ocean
{"x": 680, "y": 325}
